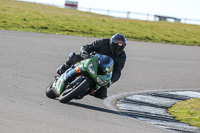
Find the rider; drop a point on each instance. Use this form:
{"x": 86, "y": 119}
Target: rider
{"x": 113, "y": 47}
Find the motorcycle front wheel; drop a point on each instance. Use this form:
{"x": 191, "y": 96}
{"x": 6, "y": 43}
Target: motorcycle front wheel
{"x": 70, "y": 94}
{"x": 49, "y": 92}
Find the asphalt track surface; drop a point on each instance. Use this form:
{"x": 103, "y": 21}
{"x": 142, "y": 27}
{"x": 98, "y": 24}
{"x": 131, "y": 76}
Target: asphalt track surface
{"x": 28, "y": 62}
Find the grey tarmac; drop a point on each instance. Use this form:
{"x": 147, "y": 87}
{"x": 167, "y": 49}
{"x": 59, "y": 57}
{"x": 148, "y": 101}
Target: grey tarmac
{"x": 28, "y": 63}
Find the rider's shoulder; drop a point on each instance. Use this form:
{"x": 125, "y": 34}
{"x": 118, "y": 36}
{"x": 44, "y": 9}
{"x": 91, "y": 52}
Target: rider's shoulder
{"x": 102, "y": 42}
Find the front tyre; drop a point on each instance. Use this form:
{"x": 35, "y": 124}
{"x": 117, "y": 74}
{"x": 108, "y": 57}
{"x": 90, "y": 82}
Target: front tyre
{"x": 68, "y": 95}
{"x": 49, "y": 92}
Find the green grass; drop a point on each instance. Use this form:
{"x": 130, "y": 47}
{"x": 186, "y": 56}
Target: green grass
{"x": 187, "y": 111}
{"x": 31, "y": 17}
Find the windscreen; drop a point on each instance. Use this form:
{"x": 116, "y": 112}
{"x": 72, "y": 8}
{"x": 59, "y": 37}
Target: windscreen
{"x": 105, "y": 65}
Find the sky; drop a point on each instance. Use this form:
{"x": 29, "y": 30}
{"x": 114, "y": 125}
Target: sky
{"x": 189, "y": 9}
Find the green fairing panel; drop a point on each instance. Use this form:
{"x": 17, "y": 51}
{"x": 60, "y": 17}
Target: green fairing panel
{"x": 60, "y": 84}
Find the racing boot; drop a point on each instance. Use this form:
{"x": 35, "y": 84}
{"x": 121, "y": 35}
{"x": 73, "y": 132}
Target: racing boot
{"x": 67, "y": 65}
{"x": 101, "y": 93}
{"x": 62, "y": 69}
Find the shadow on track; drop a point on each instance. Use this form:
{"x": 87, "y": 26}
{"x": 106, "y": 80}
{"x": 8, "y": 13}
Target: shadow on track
{"x": 96, "y": 108}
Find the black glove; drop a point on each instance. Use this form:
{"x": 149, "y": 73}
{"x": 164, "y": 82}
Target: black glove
{"x": 85, "y": 55}
{"x": 92, "y": 54}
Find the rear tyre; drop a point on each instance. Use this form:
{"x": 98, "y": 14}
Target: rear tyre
{"x": 49, "y": 92}
{"x": 70, "y": 94}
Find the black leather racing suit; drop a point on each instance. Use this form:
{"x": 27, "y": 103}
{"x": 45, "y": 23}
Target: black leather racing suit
{"x": 102, "y": 47}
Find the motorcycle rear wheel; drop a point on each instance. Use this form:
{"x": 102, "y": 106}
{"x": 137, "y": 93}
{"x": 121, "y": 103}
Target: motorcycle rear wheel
{"x": 49, "y": 92}
{"x": 70, "y": 94}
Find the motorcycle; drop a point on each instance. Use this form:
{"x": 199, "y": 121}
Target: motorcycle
{"x": 83, "y": 78}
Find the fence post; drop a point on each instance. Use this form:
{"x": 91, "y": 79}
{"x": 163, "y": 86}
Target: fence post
{"x": 185, "y": 20}
{"x": 108, "y": 12}
{"x": 128, "y": 14}
{"x": 147, "y": 17}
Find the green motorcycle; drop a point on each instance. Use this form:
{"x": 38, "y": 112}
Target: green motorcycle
{"x": 85, "y": 77}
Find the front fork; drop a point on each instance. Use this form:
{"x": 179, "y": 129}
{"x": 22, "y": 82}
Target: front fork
{"x": 75, "y": 82}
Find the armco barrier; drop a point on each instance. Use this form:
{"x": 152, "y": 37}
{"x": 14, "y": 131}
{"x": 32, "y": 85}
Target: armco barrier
{"x": 139, "y": 16}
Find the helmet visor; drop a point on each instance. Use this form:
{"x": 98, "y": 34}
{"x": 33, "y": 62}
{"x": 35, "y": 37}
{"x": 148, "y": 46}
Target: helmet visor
{"x": 117, "y": 47}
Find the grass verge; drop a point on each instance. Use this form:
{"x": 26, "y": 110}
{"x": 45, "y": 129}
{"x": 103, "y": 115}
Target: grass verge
{"x": 30, "y": 17}
{"x": 187, "y": 111}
